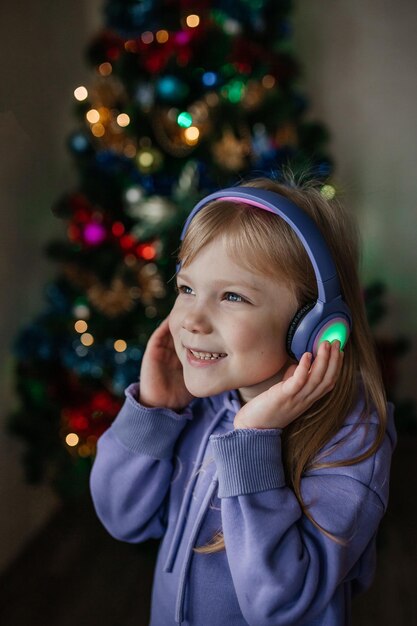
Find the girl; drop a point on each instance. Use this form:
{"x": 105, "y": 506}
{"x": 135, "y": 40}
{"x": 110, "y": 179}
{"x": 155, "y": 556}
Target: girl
{"x": 265, "y": 471}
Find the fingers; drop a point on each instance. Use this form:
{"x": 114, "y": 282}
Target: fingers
{"x": 297, "y": 375}
{"x": 335, "y": 364}
{"x": 326, "y": 368}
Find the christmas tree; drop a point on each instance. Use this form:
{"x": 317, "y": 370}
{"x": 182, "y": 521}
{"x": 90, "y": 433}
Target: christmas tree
{"x": 184, "y": 98}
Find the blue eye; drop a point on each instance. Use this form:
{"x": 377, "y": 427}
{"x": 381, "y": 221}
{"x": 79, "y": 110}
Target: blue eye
{"x": 184, "y": 289}
{"x": 230, "y": 296}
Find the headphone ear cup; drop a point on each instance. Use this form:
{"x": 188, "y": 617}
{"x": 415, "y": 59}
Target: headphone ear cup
{"x": 294, "y": 323}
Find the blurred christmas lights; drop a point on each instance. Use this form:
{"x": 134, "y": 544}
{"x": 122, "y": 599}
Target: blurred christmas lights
{"x": 81, "y": 93}
{"x": 328, "y": 191}
{"x": 93, "y": 116}
{"x": 87, "y": 339}
{"x": 123, "y": 120}
{"x": 147, "y": 37}
{"x": 192, "y": 21}
{"x": 162, "y": 36}
{"x": 120, "y": 345}
{"x": 184, "y": 120}
{"x": 72, "y": 439}
{"x": 80, "y": 326}
{"x": 105, "y": 69}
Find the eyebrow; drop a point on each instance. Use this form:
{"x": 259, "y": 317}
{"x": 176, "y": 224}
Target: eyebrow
{"x": 223, "y": 282}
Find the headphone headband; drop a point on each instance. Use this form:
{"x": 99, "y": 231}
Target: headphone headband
{"x": 305, "y": 228}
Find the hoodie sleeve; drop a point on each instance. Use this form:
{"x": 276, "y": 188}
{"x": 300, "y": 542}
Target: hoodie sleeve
{"x": 132, "y": 472}
{"x": 284, "y": 569}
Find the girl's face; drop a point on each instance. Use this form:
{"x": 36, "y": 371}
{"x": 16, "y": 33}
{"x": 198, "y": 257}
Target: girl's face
{"x": 229, "y": 326}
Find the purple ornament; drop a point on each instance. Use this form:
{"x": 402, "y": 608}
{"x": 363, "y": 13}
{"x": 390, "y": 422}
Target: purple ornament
{"x": 94, "y": 233}
{"x": 182, "y": 37}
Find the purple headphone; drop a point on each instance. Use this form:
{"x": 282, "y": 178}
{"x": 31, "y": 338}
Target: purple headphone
{"x": 329, "y": 317}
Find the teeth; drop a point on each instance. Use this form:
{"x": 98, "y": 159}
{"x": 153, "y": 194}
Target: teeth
{"x": 207, "y": 356}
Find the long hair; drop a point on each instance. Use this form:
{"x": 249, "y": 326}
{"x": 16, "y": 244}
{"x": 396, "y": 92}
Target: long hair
{"x": 265, "y": 243}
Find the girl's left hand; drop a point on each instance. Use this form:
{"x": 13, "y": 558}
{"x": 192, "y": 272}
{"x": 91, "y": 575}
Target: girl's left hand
{"x": 300, "y": 387}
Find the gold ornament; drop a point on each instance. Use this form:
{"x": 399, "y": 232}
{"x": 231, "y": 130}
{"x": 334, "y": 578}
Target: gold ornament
{"x": 253, "y": 96}
{"x": 107, "y": 92}
{"x": 286, "y": 135}
{"x": 200, "y": 113}
{"x": 115, "y": 300}
{"x": 145, "y": 285}
{"x": 140, "y": 281}
{"x": 107, "y": 98}
{"x": 77, "y": 276}
{"x": 175, "y": 140}
{"x": 150, "y": 283}
{"x": 149, "y": 160}
{"x": 168, "y": 134}
{"x": 230, "y": 151}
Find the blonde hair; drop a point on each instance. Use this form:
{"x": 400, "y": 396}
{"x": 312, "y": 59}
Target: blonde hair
{"x": 266, "y": 244}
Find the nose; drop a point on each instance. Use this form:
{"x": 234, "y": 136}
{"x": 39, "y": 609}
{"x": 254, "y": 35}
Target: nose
{"x": 197, "y": 321}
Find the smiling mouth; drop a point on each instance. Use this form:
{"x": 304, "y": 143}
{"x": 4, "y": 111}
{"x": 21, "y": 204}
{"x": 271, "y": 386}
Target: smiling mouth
{"x": 207, "y": 356}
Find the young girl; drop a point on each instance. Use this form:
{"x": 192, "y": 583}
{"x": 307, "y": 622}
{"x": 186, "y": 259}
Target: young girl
{"x": 263, "y": 466}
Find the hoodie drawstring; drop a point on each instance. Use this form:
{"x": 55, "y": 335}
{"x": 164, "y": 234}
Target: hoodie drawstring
{"x": 179, "y": 609}
{"x": 179, "y": 529}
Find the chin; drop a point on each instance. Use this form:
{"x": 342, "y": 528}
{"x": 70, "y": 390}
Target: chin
{"x": 204, "y": 391}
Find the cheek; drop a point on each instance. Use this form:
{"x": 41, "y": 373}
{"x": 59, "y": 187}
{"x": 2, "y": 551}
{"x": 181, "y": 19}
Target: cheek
{"x": 263, "y": 339}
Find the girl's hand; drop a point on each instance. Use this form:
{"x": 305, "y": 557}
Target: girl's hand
{"x": 300, "y": 387}
{"x": 161, "y": 376}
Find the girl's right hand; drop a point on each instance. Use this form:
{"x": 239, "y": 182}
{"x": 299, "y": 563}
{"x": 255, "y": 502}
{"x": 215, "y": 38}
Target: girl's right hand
{"x": 161, "y": 376}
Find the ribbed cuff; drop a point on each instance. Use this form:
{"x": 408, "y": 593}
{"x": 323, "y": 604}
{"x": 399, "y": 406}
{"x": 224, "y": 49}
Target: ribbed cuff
{"x": 150, "y": 431}
{"x": 248, "y": 460}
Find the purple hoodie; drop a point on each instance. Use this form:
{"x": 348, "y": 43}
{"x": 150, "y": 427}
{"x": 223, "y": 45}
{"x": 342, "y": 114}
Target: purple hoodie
{"x": 185, "y": 476}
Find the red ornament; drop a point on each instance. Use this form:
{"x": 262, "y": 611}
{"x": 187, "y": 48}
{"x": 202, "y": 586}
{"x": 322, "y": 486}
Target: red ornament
{"x": 146, "y": 251}
{"x": 74, "y": 233}
{"x": 118, "y": 229}
{"x": 113, "y": 53}
{"x": 91, "y": 416}
{"x": 127, "y": 242}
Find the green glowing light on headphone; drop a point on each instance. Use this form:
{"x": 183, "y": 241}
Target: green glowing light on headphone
{"x": 335, "y": 331}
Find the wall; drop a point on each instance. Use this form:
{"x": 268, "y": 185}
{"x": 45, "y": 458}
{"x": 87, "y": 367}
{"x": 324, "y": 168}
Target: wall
{"x": 359, "y": 73}
{"x": 42, "y": 62}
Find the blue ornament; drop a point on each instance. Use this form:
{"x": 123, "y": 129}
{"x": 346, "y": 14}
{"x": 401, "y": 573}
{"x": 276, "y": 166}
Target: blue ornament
{"x": 171, "y": 89}
{"x": 271, "y": 160}
{"x": 285, "y": 29}
{"x": 113, "y": 163}
{"x": 209, "y": 79}
{"x": 57, "y": 299}
{"x": 79, "y": 144}
{"x": 131, "y": 17}
{"x": 145, "y": 95}
{"x": 300, "y": 103}
{"x": 84, "y": 361}
{"x": 246, "y": 12}
{"x": 34, "y": 343}
{"x": 323, "y": 169}
{"x": 164, "y": 183}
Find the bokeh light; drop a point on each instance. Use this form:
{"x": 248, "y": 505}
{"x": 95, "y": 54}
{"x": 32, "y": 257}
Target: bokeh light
{"x": 81, "y": 93}
{"x": 93, "y": 116}
{"x": 72, "y": 439}
{"x": 192, "y": 20}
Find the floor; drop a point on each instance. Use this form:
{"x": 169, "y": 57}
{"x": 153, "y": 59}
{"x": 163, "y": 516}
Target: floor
{"x": 75, "y": 573}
